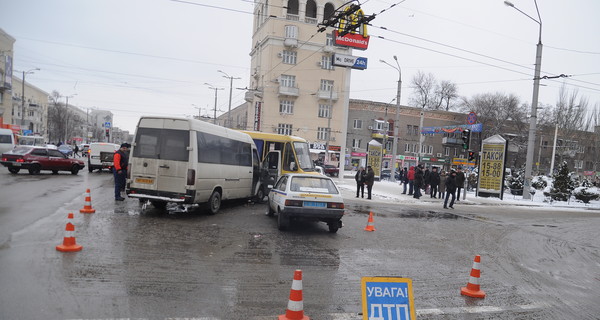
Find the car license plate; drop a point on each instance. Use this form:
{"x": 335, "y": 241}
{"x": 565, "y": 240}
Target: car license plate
{"x": 315, "y": 204}
{"x": 143, "y": 180}
{"x": 16, "y": 164}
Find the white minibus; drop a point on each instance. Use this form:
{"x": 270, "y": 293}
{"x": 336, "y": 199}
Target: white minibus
{"x": 7, "y": 140}
{"x": 189, "y": 161}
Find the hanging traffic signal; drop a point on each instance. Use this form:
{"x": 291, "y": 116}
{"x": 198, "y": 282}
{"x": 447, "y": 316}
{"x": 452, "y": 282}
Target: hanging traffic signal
{"x": 107, "y": 132}
{"x": 471, "y": 155}
{"x": 466, "y": 137}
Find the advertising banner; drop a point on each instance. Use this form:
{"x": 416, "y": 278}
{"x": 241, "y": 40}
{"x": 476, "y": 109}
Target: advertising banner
{"x": 491, "y": 167}
{"x": 374, "y": 155}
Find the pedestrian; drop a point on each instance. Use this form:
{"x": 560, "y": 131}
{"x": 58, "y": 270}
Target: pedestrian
{"x": 411, "y": 180}
{"x": 120, "y": 161}
{"x": 460, "y": 182}
{"x": 360, "y": 182}
{"x": 419, "y": 182}
{"x": 434, "y": 182}
{"x": 442, "y": 190}
{"x": 369, "y": 180}
{"x": 450, "y": 189}
{"x": 427, "y": 181}
{"x": 404, "y": 179}
{"x": 76, "y": 151}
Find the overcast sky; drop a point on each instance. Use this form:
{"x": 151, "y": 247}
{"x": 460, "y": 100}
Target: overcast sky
{"x": 138, "y": 57}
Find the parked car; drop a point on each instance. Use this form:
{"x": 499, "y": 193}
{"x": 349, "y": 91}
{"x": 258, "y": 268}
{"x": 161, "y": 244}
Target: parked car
{"x": 298, "y": 196}
{"x": 66, "y": 150}
{"x": 35, "y": 159}
{"x": 84, "y": 149}
{"x": 100, "y": 156}
{"x": 386, "y": 174}
{"x": 320, "y": 170}
{"x": 331, "y": 170}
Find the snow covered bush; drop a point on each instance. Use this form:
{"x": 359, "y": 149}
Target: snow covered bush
{"x": 586, "y": 194}
{"x": 563, "y": 184}
{"x": 515, "y": 182}
{"x": 540, "y": 182}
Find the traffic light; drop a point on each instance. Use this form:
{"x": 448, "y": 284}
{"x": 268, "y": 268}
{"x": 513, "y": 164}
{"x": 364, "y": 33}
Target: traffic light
{"x": 466, "y": 137}
{"x": 107, "y": 132}
{"x": 471, "y": 155}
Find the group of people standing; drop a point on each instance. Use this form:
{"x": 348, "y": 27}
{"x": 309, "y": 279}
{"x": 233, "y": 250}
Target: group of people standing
{"x": 364, "y": 178}
{"x": 444, "y": 185}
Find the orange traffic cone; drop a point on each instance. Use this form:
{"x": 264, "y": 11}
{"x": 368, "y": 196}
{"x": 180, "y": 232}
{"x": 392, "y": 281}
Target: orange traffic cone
{"x": 87, "y": 208}
{"x": 370, "y": 226}
{"x": 472, "y": 289}
{"x": 295, "y": 308}
{"x": 69, "y": 243}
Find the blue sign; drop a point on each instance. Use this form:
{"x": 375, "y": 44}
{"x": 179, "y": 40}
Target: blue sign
{"x": 360, "y": 63}
{"x": 478, "y": 127}
{"x": 107, "y": 124}
{"x": 387, "y": 298}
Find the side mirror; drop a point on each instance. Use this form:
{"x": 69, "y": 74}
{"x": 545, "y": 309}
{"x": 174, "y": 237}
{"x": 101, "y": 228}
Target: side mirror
{"x": 293, "y": 166}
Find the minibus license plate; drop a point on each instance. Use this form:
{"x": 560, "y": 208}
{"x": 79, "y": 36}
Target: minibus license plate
{"x": 315, "y": 204}
{"x": 143, "y": 180}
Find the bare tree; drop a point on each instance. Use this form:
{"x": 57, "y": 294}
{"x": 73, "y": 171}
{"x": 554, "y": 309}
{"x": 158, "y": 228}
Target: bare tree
{"x": 423, "y": 90}
{"x": 570, "y": 116}
{"x": 446, "y": 93}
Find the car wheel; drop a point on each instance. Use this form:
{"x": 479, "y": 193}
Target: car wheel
{"x": 14, "y": 170}
{"x": 159, "y": 204}
{"x": 283, "y": 221}
{"x": 260, "y": 195}
{"x": 214, "y": 203}
{"x": 75, "y": 169}
{"x": 35, "y": 169}
{"x": 334, "y": 226}
{"x": 270, "y": 211}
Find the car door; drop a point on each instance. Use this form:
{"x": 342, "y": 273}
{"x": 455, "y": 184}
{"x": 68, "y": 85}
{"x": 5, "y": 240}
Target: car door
{"x": 58, "y": 160}
{"x": 40, "y": 156}
{"x": 277, "y": 194}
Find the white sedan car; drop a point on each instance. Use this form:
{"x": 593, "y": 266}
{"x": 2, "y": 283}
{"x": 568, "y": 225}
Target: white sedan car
{"x": 306, "y": 197}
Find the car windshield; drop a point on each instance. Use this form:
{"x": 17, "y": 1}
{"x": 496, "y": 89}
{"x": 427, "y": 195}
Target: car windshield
{"x": 303, "y": 155}
{"x": 20, "y": 150}
{"x": 313, "y": 184}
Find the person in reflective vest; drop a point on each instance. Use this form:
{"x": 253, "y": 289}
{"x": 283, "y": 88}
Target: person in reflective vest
{"x": 120, "y": 161}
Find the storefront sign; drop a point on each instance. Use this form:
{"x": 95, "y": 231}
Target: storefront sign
{"x": 451, "y": 129}
{"x": 257, "y": 109}
{"x": 342, "y": 60}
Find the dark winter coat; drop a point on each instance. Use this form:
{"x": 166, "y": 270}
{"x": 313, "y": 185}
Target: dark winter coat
{"x": 404, "y": 175}
{"x": 427, "y": 176}
{"x": 434, "y": 178}
{"x": 443, "y": 178}
{"x": 370, "y": 177}
{"x": 360, "y": 176}
{"x": 419, "y": 181}
{"x": 460, "y": 179}
{"x": 451, "y": 183}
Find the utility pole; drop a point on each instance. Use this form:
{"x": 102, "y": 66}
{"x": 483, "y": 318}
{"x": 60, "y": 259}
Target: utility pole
{"x": 228, "y": 124}
{"x": 23, "y": 97}
{"x": 210, "y": 86}
{"x": 397, "y": 121}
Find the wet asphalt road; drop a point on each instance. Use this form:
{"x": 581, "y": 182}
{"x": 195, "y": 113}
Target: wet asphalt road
{"x": 144, "y": 263}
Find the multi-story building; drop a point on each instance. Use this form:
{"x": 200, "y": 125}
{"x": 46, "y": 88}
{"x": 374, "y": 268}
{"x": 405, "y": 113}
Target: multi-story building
{"x": 31, "y": 115}
{"x": 6, "y": 60}
{"x": 295, "y": 89}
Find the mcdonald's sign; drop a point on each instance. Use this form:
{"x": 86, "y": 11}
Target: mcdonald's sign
{"x": 355, "y": 39}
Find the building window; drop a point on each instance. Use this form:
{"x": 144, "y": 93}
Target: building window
{"x": 322, "y": 133}
{"x": 429, "y": 149}
{"x": 446, "y": 151}
{"x": 455, "y": 152}
{"x": 357, "y": 124}
{"x": 31, "y": 113}
{"x": 356, "y": 143}
{"x": 329, "y": 40}
{"x": 286, "y": 106}
{"x": 326, "y": 63}
{"x": 324, "y": 111}
{"x": 289, "y": 57}
{"x": 292, "y": 7}
{"x": 406, "y": 147}
{"x": 380, "y": 125}
{"x": 326, "y": 85}
{"x": 284, "y": 128}
{"x": 287, "y": 81}
{"x": 291, "y": 32}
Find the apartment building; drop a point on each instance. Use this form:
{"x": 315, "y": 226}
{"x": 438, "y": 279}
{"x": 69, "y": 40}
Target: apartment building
{"x": 30, "y": 115}
{"x": 295, "y": 89}
{"x": 6, "y": 62}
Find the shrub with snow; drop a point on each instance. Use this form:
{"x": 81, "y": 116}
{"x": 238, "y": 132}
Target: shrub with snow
{"x": 586, "y": 194}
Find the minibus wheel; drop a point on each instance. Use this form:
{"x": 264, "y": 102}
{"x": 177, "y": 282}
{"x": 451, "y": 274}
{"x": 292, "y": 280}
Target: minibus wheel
{"x": 159, "y": 204}
{"x": 214, "y": 202}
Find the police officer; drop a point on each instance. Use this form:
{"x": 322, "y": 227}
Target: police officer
{"x": 120, "y": 161}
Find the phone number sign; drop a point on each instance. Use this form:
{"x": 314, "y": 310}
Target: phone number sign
{"x": 492, "y": 167}
{"x": 387, "y": 298}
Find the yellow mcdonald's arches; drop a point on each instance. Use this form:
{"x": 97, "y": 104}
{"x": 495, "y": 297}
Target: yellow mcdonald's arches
{"x": 353, "y": 19}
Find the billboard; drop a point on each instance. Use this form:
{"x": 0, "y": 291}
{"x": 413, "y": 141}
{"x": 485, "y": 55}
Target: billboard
{"x": 374, "y": 155}
{"x": 491, "y": 167}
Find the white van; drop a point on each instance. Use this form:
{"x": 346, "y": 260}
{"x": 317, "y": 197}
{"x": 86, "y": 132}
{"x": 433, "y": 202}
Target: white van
{"x": 7, "y": 140}
{"x": 189, "y": 161}
{"x": 100, "y": 155}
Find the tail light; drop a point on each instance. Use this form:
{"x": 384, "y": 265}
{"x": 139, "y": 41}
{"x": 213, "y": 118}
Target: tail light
{"x": 335, "y": 205}
{"x": 293, "y": 203}
{"x": 191, "y": 177}
{"x": 20, "y": 160}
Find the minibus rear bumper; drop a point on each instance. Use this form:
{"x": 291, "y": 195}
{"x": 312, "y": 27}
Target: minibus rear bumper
{"x": 187, "y": 198}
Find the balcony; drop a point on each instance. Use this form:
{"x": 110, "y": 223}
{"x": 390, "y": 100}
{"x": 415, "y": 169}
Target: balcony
{"x": 292, "y": 17}
{"x": 311, "y": 20}
{"x": 326, "y": 94}
{"x": 289, "y": 91}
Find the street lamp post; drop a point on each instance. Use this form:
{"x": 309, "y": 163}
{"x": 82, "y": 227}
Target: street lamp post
{"x": 534, "y": 102}
{"x": 210, "y": 86}
{"x": 228, "y": 125}
{"x": 23, "y": 97}
{"x": 397, "y": 121}
{"x": 67, "y": 116}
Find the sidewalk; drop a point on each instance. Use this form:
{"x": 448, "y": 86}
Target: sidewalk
{"x": 391, "y": 192}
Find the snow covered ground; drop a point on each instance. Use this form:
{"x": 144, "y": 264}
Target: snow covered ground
{"x": 391, "y": 192}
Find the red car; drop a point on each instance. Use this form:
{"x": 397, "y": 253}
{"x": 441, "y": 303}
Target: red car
{"x": 331, "y": 170}
{"x": 35, "y": 159}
